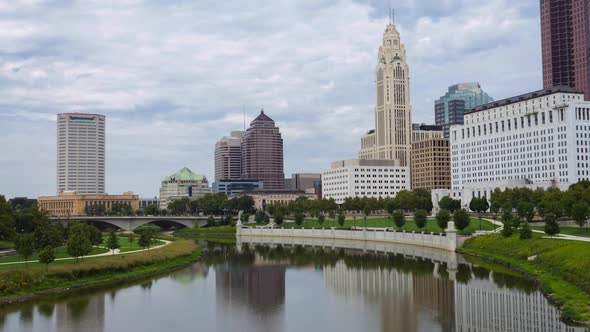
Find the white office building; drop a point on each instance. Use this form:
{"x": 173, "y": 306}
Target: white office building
{"x": 537, "y": 140}
{"x": 364, "y": 178}
{"x": 81, "y": 153}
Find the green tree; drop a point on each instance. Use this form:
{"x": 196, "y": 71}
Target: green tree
{"x": 399, "y": 219}
{"x": 279, "y": 216}
{"x": 507, "y": 230}
{"x": 525, "y": 231}
{"x": 7, "y": 220}
{"x": 95, "y": 235}
{"x": 245, "y": 218}
{"x": 461, "y": 218}
{"x": 47, "y": 233}
{"x": 479, "y": 205}
{"x": 579, "y": 212}
{"x": 420, "y": 218}
{"x": 442, "y": 218}
{"x": 113, "y": 242}
{"x": 299, "y": 216}
{"x": 266, "y": 219}
{"x": 131, "y": 237}
{"x": 228, "y": 220}
{"x": 341, "y": 218}
{"x": 526, "y": 210}
{"x": 78, "y": 244}
{"x": 25, "y": 246}
{"x": 321, "y": 219}
{"x": 551, "y": 225}
{"x": 449, "y": 204}
{"x": 211, "y": 221}
{"x": 145, "y": 240}
{"x": 259, "y": 217}
{"x": 151, "y": 209}
{"x": 332, "y": 215}
{"x": 47, "y": 256}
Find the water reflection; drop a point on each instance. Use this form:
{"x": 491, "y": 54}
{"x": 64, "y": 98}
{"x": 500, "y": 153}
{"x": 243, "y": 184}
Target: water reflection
{"x": 261, "y": 286}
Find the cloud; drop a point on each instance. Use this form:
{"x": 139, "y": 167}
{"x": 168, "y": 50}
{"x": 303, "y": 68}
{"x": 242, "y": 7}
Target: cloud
{"x": 175, "y": 76}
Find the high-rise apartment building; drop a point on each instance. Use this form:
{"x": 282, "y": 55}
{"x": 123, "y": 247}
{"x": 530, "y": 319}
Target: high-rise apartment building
{"x": 450, "y": 108}
{"x": 228, "y": 157}
{"x": 431, "y": 165}
{"x": 81, "y": 153}
{"x": 392, "y": 137}
{"x": 565, "y": 33}
{"x": 537, "y": 140}
{"x": 262, "y": 153}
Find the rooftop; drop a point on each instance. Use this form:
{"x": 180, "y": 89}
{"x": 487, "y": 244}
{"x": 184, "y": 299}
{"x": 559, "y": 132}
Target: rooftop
{"x": 262, "y": 118}
{"x": 524, "y": 97}
{"x": 185, "y": 174}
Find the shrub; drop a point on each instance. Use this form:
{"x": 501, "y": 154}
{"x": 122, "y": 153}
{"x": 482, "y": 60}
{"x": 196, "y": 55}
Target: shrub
{"x": 551, "y": 225}
{"x": 461, "y": 219}
{"x": 442, "y": 218}
{"x": 399, "y": 219}
{"x": 299, "y": 216}
{"x": 525, "y": 231}
{"x": 420, "y": 218}
{"x": 341, "y": 218}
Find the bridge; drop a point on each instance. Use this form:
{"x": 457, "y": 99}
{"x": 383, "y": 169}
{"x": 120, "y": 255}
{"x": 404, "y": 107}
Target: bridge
{"x": 132, "y": 222}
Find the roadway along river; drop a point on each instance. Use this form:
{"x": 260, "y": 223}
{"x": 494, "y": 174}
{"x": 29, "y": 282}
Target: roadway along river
{"x": 297, "y": 288}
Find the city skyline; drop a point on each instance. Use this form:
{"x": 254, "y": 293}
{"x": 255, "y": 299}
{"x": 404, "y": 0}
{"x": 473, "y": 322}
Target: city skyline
{"x": 315, "y": 88}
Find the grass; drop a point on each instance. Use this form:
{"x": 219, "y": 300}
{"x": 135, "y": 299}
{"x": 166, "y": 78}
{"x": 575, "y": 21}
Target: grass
{"x": 17, "y": 285}
{"x": 576, "y": 231}
{"x": 410, "y": 226}
{"x": 60, "y": 252}
{"x": 6, "y": 244}
{"x": 132, "y": 246}
{"x": 562, "y": 266}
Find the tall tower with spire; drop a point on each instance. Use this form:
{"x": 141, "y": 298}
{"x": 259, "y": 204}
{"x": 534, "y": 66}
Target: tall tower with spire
{"x": 391, "y": 138}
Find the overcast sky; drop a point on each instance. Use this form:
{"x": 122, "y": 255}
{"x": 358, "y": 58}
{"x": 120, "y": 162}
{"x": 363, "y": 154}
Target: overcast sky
{"x": 174, "y": 76}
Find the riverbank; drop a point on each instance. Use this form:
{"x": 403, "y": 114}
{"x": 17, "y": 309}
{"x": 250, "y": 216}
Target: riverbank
{"x": 560, "y": 266}
{"x": 36, "y": 283}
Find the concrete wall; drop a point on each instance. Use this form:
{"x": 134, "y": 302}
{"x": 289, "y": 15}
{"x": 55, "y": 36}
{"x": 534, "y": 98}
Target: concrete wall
{"x": 446, "y": 241}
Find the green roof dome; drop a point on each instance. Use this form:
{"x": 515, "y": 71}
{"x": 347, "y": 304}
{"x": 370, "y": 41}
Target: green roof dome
{"x": 185, "y": 174}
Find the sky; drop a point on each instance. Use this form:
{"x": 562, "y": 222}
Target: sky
{"x": 174, "y": 76}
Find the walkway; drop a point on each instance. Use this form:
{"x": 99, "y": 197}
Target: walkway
{"x": 558, "y": 236}
{"x": 108, "y": 253}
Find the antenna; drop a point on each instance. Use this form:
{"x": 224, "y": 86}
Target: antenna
{"x": 389, "y": 11}
{"x": 392, "y": 15}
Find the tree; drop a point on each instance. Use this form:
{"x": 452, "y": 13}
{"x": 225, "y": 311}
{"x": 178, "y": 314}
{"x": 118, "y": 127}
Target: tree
{"x": 113, "y": 242}
{"x": 461, "y": 218}
{"x": 130, "y": 237}
{"x": 228, "y": 220}
{"x": 151, "y": 209}
{"x": 525, "y": 231}
{"x": 25, "y": 246}
{"x": 449, "y": 204}
{"x": 551, "y": 225}
{"x": 7, "y": 220}
{"x": 479, "y": 205}
{"x": 420, "y": 218}
{"x": 299, "y": 216}
{"x": 442, "y": 218}
{"x": 95, "y": 235}
{"x": 47, "y": 233}
{"x": 145, "y": 240}
{"x": 279, "y": 216}
{"x": 526, "y": 210}
{"x": 399, "y": 219}
{"x": 321, "y": 219}
{"x": 332, "y": 215}
{"x": 341, "y": 218}
{"x": 266, "y": 218}
{"x": 507, "y": 230}
{"x": 259, "y": 216}
{"x": 78, "y": 244}
{"x": 579, "y": 212}
{"x": 210, "y": 221}
{"x": 245, "y": 218}
{"x": 47, "y": 256}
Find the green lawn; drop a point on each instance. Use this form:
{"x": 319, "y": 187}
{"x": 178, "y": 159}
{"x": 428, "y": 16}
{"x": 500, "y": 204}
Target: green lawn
{"x": 384, "y": 222}
{"x": 577, "y": 231}
{"x": 6, "y": 244}
{"x": 562, "y": 266}
{"x": 60, "y": 252}
{"x": 132, "y": 246}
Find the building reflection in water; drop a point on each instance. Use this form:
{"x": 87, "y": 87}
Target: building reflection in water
{"x": 85, "y": 313}
{"x": 257, "y": 290}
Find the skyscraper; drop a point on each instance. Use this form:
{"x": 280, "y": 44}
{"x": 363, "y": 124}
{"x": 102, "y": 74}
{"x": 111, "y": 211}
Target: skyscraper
{"x": 391, "y": 138}
{"x": 565, "y": 33}
{"x": 81, "y": 153}
{"x": 262, "y": 153}
{"x": 449, "y": 109}
{"x": 228, "y": 157}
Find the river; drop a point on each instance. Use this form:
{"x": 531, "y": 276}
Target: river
{"x": 291, "y": 287}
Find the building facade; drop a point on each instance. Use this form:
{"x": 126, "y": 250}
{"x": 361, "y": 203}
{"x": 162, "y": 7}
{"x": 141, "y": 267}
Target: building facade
{"x": 309, "y": 182}
{"x": 81, "y": 153}
{"x": 74, "y": 204}
{"x": 431, "y": 164}
{"x": 228, "y": 157}
{"x": 540, "y": 139}
{"x": 236, "y": 187}
{"x": 183, "y": 183}
{"x": 391, "y": 138}
{"x": 265, "y": 197}
{"x": 421, "y": 132}
{"x": 450, "y": 108}
{"x": 565, "y": 40}
{"x": 145, "y": 202}
{"x": 364, "y": 178}
{"x": 262, "y": 153}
